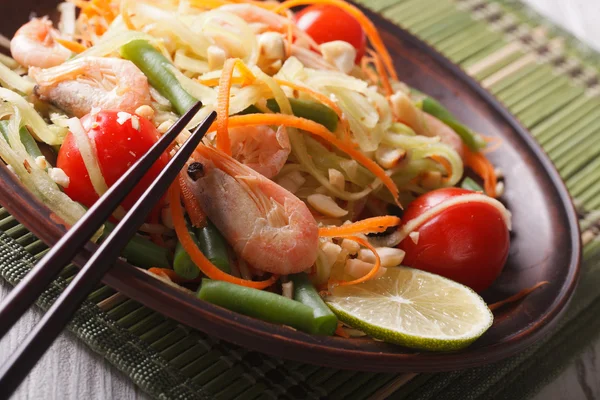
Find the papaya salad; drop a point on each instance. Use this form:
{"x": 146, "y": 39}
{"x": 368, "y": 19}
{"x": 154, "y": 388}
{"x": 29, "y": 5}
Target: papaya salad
{"x": 328, "y": 196}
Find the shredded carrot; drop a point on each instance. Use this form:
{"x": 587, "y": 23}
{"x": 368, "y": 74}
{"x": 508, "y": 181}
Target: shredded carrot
{"x": 82, "y": 5}
{"x": 72, "y": 45}
{"x": 93, "y": 9}
{"x": 104, "y": 9}
{"x": 320, "y": 131}
{"x": 445, "y": 163}
{"x": 208, "y": 3}
{"x": 164, "y": 272}
{"x": 125, "y": 15}
{"x": 172, "y": 275}
{"x": 482, "y": 167}
{"x": 85, "y": 34}
{"x": 494, "y": 143}
{"x": 368, "y": 225}
{"x": 366, "y": 24}
{"x": 100, "y": 25}
{"x": 128, "y": 22}
{"x": 516, "y": 297}
{"x": 223, "y": 142}
{"x": 225, "y": 82}
{"x": 290, "y": 33}
{"x": 238, "y": 80}
{"x": 197, "y": 216}
{"x": 218, "y": 3}
{"x": 260, "y": 3}
{"x": 154, "y": 218}
{"x": 245, "y": 72}
{"x": 341, "y": 332}
{"x": 313, "y": 93}
{"x": 167, "y": 273}
{"x": 157, "y": 239}
{"x": 385, "y": 82}
{"x": 208, "y": 268}
{"x": 373, "y": 270}
{"x": 367, "y": 70}
{"x": 87, "y": 7}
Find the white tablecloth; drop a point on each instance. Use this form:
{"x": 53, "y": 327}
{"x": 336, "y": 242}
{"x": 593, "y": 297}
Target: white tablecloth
{"x": 580, "y": 17}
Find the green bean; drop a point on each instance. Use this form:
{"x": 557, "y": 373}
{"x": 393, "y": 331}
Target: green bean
{"x": 142, "y": 252}
{"x": 28, "y": 141}
{"x": 156, "y": 68}
{"x": 182, "y": 262}
{"x": 470, "y": 184}
{"x": 259, "y": 304}
{"x": 308, "y": 109}
{"x": 432, "y": 107}
{"x": 213, "y": 246}
{"x": 305, "y": 292}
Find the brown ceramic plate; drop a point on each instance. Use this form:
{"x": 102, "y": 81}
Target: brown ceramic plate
{"x": 545, "y": 241}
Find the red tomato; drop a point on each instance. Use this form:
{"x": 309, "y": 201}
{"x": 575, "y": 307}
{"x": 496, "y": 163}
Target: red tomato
{"x": 325, "y": 23}
{"x": 118, "y": 147}
{"x": 467, "y": 243}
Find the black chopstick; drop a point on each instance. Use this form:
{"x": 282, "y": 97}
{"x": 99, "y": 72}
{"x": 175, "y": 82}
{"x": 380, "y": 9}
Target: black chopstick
{"x": 14, "y": 370}
{"x": 37, "y": 280}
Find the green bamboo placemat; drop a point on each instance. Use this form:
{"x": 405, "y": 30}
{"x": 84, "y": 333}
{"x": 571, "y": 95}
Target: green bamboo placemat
{"x": 547, "y": 79}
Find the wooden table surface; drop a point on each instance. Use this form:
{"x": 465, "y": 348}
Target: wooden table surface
{"x": 72, "y": 371}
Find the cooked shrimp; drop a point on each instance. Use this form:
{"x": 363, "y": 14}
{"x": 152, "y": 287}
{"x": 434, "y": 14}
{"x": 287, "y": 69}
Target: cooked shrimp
{"x": 261, "y": 148}
{"x": 34, "y": 46}
{"x": 105, "y": 83}
{"x": 263, "y": 20}
{"x": 435, "y": 127}
{"x": 266, "y": 225}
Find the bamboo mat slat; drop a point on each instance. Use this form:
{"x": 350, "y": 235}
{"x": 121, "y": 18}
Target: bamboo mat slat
{"x": 547, "y": 81}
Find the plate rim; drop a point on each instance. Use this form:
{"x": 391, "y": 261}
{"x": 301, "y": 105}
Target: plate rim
{"x": 284, "y": 341}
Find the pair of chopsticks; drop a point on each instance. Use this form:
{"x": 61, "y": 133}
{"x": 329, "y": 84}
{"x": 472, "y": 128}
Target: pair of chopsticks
{"x": 24, "y": 358}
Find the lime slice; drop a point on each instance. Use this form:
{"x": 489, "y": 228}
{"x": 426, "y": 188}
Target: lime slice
{"x": 413, "y": 308}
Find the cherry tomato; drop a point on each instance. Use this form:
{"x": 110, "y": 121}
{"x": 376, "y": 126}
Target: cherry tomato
{"x": 467, "y": 242}
{"x": 325, "y": 23}
{"x": 118, "y": 147}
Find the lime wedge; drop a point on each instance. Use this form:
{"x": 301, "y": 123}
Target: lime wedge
{"x": 413, "y": 308}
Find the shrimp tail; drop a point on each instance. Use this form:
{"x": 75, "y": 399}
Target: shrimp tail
{"x": 261, "y": 148}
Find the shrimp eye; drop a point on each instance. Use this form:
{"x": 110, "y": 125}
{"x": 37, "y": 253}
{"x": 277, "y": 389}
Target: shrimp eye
{"x": 195, "y": 171}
